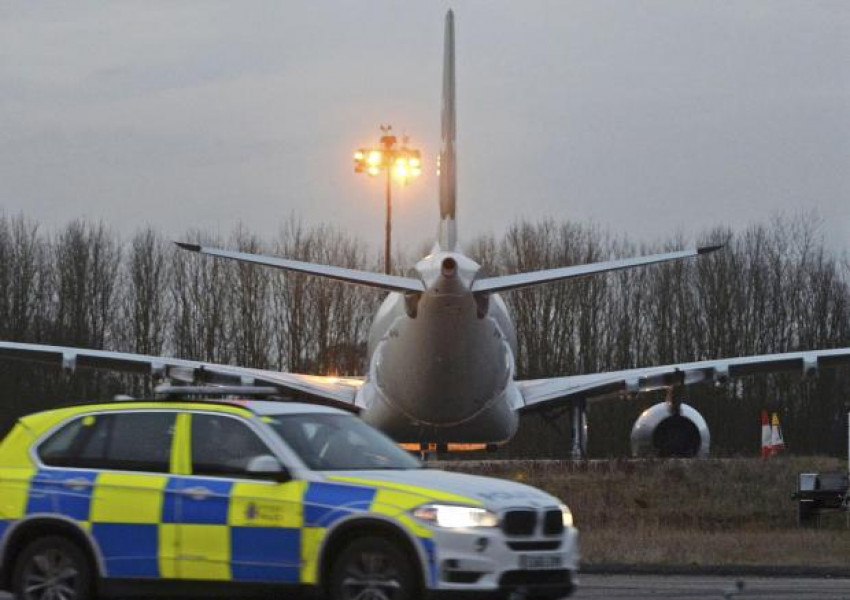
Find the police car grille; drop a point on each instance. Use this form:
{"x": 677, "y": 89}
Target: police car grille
{"x": 519, "y": 522}
{"x": 553, "y": 522}
{"x": 530, "y": 546}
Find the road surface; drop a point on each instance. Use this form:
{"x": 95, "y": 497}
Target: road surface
{"x": 687, "y": 587}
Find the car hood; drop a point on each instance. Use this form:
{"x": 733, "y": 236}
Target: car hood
{"x": 444, "y": 486}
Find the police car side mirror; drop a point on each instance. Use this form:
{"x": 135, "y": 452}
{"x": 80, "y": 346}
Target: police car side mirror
{"x": 267, "y": 467}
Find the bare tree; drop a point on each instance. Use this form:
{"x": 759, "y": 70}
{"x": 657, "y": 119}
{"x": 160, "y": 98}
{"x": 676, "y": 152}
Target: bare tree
{"x": 86, "y": 259}
{"x": 251, "y": 306}
{"x": 201, "y": 292}
{"x": 145, "y": 303}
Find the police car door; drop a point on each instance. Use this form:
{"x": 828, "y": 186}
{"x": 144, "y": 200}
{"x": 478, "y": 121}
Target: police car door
{"x": 111, "y": 475}
{"x": 236, "y": 526}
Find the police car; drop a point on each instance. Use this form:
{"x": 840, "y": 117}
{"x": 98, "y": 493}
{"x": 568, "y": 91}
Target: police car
{"x": 221, "y": 498}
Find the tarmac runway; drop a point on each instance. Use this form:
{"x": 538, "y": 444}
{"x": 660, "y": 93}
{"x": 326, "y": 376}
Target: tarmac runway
{"x": 689, "y": 587}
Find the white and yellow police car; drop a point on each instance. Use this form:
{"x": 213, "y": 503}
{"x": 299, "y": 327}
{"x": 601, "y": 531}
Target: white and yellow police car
{"x": 225, "y": 498}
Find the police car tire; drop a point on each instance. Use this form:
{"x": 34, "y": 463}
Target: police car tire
{"x": 396, "y": 561}
{"x": 83, "y": 582}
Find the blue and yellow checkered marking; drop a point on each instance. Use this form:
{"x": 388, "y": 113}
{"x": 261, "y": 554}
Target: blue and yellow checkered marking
{"x": 126, "y": 511}
{"x": 49, "y": 493}
{"x": 239, "y": 531}
{"x": 129, "y": 550}
{"x": 170, "y": 497}
{"x": 211, "y": 510}
{"x": 266, "y": 554}
{"x": 326, "y": 503}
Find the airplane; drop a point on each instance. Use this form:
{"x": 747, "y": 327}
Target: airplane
{"x": 441, "y": 367}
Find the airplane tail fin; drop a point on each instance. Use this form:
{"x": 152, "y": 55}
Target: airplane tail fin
{"x": 448, "y": 158}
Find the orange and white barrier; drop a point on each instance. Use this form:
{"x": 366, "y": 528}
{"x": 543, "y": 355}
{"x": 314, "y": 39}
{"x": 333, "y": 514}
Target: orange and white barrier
{"x": 766, "y": 434}
{"x": 772, "y": 441}
{"x": 777, "y": 443}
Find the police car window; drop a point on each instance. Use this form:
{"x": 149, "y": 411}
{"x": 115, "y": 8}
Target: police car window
{"x": 335, "y": 442}
{"x": 58, "y": 446}
{"x": 125, "y": 441}
{"x": 141, "y": 442}
{"x": 223, "y": 446}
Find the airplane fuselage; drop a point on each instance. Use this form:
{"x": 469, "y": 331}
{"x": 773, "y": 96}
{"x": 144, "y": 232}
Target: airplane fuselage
{"x": 441, "y": 363}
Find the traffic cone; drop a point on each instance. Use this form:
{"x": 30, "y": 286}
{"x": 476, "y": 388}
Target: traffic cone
{"x": 777, "y": 444}
{"x": 766, "y": 434}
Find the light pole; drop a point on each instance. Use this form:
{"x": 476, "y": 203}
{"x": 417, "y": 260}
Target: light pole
{"x": 401, "y": 162}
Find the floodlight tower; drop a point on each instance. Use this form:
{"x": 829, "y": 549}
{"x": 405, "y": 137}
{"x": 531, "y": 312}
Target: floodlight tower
{"x": 402, "y": 162}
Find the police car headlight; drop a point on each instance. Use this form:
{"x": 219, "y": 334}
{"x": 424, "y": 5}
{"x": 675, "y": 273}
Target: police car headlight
{"x": 453, "y": 516}
{"x": 566, "y": 515}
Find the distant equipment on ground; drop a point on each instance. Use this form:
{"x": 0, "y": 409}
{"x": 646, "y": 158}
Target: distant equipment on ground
{"x": 821, "y": 492}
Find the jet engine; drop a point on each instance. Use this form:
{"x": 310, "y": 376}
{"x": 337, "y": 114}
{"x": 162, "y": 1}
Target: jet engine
{"x": 670, "y": 430}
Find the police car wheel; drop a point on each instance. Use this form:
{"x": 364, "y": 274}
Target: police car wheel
{"x": 372, "y": 569}
{"x": 52, "y": 568}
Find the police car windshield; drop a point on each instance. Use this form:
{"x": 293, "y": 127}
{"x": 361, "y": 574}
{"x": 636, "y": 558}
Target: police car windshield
{"x": 335, "y": 442}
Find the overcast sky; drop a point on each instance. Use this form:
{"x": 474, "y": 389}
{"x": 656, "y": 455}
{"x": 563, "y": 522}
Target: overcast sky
{"x": 646, "y": 118}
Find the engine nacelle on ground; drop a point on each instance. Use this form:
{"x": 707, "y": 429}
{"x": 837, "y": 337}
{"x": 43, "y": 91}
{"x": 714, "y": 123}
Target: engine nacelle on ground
{"x": 660, "y": 432}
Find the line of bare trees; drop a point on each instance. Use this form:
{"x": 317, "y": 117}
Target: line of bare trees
{"x": 774, "y": 288}
{"x": 84, "y": 286}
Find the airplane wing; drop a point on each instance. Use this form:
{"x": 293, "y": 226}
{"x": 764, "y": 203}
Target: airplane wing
{"x": 521, "y": 280}
{"x": 338, "y": 391}
{"x": 390, "y": 283}
{"x": 547, "y": 392}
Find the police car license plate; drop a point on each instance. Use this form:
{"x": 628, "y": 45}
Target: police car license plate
{"x": 539, "y": 561}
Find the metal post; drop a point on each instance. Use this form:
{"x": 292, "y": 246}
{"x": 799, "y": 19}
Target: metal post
{"x": 579, "y": 430}
{"x": 388, "y": 240}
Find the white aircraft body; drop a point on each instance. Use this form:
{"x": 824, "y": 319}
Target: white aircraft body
{"x": 442, "y": 347}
